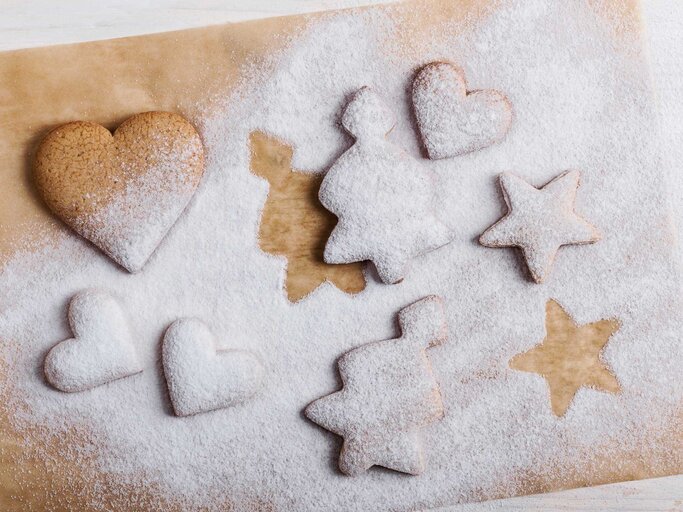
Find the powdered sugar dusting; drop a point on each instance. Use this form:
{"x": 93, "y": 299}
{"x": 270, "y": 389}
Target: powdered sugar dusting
{"x": 579, "y": 103}
{"x": 132, "y": 224}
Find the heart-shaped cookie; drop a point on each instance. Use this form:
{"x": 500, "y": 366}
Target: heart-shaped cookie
{"x": 453, "y": 121}
{"x": 123, "y": 192}
{"x": 199, "y": 378}
{"x": 101, "y": 350}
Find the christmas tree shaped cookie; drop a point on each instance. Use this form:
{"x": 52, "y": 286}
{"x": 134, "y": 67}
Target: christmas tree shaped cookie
{"x": 382, "y": 197}
{"x": 389, "y": 394}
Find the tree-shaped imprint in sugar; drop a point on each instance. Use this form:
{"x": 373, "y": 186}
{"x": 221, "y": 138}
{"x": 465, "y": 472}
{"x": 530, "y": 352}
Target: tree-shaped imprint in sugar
{"x": 382, "y": 196}
{"x": 389, "y": 395}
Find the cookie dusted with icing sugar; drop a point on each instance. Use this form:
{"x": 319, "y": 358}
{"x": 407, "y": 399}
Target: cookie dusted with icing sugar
{"x": 202, "y": 379}
{"x": 102, "y": 348}
{"x": 452, "y": 120}
{"x": 389, "y": 394}
{"x": 540, "y": 221}
{"x": 122, "y": 191}
{"x": 382, "y": 197}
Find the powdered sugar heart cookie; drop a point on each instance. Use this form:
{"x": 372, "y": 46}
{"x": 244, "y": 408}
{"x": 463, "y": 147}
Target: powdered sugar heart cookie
{"x": 199, "y": 378}
{"x": 123, "y": 192}
{"x": 101, "y": 350}
{"x": 453, "y": 121}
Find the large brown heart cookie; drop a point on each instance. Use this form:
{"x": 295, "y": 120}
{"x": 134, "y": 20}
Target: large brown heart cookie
{"x": 452, "y": 120}
{"x": 123, "y": 192}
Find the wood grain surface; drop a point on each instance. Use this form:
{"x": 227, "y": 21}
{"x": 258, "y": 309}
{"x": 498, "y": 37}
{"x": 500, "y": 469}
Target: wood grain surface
{"x": 660, "y": 494}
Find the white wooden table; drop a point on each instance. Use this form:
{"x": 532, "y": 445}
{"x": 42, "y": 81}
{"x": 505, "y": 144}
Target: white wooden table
{"x": 28, "y": 23}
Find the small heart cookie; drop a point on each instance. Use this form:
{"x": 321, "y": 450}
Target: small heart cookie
{"x": 123, "y": 192}
{"x": 199, "y": 378}
{"x": 453, "y": 121}
{"x": 101, "y": 350}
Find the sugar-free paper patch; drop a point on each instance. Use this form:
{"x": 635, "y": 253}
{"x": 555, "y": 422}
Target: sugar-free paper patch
{"x": 452, "y": 120}
{"x": 102, "y": 348}
{"x": 382, "y": 197}
{"x": 389, "y": 394}
{"x": 123, "y": 192}
{"x": 294, "y": 224}
{"x": 540, "y": 221}
{"x": 200, "y": 378}
{"x": 568, "y": 358}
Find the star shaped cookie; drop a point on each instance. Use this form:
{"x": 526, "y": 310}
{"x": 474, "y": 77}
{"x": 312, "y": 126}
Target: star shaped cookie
{"x": 568, "y": 358}
{"x": 540, "y": 221}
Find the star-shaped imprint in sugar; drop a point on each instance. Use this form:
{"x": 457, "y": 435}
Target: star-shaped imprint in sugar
{"x": 389, "y": 395}
{"x": 568, "y": 358}
{"x": 540, "y": 221}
